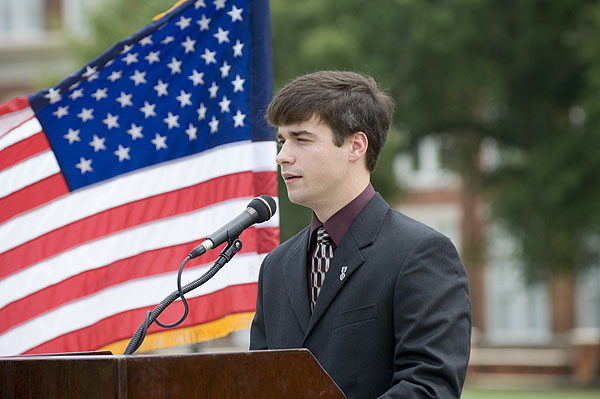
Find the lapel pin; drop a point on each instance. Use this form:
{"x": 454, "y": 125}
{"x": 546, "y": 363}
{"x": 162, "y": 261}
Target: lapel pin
{"x": 343, "y": 273}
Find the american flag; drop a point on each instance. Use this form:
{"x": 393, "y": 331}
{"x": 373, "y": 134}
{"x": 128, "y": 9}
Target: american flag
{"x": 111, "y": 177}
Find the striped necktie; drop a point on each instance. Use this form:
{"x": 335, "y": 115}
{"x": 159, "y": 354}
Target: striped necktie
{"x": 320, "y": 264}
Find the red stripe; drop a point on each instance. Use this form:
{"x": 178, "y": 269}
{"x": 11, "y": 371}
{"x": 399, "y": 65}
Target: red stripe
{"x": 13, "y": 105}
{"x": 154, "y": 262}
{"x": 203, "y": 309}
{"x": 23, "y": 149}
{"x": 32, "y": 196}
{"x": 130, "y": 215}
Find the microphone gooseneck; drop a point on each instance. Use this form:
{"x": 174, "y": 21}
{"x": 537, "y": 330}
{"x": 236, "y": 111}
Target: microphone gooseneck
{"x": 259, "y": 210}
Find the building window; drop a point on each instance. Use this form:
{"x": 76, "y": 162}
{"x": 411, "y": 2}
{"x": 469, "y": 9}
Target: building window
{"x": 21, "y": 19}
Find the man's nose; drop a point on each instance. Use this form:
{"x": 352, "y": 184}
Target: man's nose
{"x": 284, "y": 156}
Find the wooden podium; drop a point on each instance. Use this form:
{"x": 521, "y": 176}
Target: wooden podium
{"x": 255, "y": 374}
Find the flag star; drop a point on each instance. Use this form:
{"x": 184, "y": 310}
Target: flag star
{"x": 85, "y": 165}
{"x": 201, "y": 112}
{"x": 111, "y": 121}
{"x": 75, "y": 85}
{"x": 203, "y": 22}
{"x": 138, "y": 77}
{"x": 125, "y": 99}
{"x": 224, "y": 104}
{"x": 86, "y": 114}
{"x": 221, "y": 35}
{"x": 191, "y": 132}
{"x": 167, "y": 40}
{"x": 161, "y": 88}
{"x": 122, "y": 153}
{"x": 92, "y": 77}
{"x": 126, "y": 48}
{"x": 235, "y": 14}
{"x": 238, "y": 84}
{"x": 72, "y": 136}
{"x": 130, "y": 58}
{"x": 76, "y": 94}
{"x": 109, "y": 62}
{"x": 146, "y": 41}
{"x": 61, "y": 111}
{"x": 199, "y": 3}
{"x": 100, "y": 94}
{"x": 115, "y": 75}
{"x": 237, "y": 49}
{"x": 184, "y": 98}
{"x": 209, "y": 56}
{"x": 53, "y": 95}
{"x": 225, "y": 69}
{"x": 135, "y": 132}
{"x": 239, "y": 119}
{"x": 213, "y": 90}
{"x": 171, "y": 120}
{"x": 89, "y": 71}
{"x": 148, "y": 109}
{"x": 98, "y": 143}
{"x": 159, "y": 141}
{"x": 197, "y": 77}
{"x": 152, "y": 57}
{"x": 189, "y": 45}
{"x": 214, "y": 125}
{"x": 219, "y": 4}
{"x": 183, "y": 22}
{"x": 174, "y": 66}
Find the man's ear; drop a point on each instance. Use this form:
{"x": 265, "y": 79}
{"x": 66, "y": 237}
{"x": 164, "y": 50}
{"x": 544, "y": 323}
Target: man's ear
{"x": 359, "y": 144}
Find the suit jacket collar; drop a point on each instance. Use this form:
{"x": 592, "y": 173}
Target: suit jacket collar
{"x": 294, "y": 277}
{"x": 361, "y": 234}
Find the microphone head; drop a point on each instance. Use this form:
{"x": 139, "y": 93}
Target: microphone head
{"x": 265, "y": 206}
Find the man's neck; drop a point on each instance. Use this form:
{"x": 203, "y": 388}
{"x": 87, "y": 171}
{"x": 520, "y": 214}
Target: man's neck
{"x": 330, "y": 207}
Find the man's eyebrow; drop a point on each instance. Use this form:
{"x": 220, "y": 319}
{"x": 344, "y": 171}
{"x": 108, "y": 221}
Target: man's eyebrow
{"x": 295, "y": 133}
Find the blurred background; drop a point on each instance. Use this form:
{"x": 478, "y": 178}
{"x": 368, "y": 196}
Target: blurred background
{"x": 495, "y": 142}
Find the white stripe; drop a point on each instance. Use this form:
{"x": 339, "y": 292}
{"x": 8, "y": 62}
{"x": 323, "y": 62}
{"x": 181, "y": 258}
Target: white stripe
{"x": 95, "y": 254}
{"x": 148, "y": 291}
{"x": 22, "y": 132}
{"x": 151, "y": 181}
{"x": 28, "y": 172}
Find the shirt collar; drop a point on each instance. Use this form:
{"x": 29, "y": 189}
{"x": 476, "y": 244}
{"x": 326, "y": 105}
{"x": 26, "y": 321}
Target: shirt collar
{"x": 340, "y": 222}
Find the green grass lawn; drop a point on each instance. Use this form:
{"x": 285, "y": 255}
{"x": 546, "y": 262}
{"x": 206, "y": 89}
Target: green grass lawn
{"x": 475, "y": 393}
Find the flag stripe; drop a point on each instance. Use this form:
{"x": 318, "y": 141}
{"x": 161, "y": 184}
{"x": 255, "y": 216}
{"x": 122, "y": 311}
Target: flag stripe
{"x": 23, "y": 149}
{"x": 12, "y": 114}
{"x": 22, "y": 129}
{"x": 32, "y": 196}
{"x": 154, "y": 262}
{"x": 28, "y": 172}
{"x": 226, "y": 159}
{"x": 242, "y": 269}
{"x": 91, "y": 255}
{"x": 130, "y": 215}
{"x": 230, "y": 300}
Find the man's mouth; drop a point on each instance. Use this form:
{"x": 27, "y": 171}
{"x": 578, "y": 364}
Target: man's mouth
{"x": 290, "y": 177}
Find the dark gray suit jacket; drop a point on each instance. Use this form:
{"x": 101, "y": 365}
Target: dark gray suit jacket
{"x": 397, "y": 325}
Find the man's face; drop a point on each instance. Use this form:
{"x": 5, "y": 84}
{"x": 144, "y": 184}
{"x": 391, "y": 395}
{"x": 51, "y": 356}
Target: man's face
{"x": 313, "y": 168}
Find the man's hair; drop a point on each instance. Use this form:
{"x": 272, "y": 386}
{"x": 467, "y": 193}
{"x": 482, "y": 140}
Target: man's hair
{"x": 346, "y": 101}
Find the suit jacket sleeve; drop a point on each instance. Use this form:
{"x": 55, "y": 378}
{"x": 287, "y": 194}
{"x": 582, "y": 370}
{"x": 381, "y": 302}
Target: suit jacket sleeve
{"x": 258, "y": 338}
{"x": 432, "y": 323}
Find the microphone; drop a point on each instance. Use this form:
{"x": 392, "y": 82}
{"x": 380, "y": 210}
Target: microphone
{"x": 259, "y": 210}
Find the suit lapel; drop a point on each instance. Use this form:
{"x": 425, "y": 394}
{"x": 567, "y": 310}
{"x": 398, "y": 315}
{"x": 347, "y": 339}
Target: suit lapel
{"x": 361, "y": 234}
{"x": 296, "y": 279}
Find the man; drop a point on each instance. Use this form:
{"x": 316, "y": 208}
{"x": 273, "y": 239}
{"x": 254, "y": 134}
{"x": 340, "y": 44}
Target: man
{"x": 380, "y": 299}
